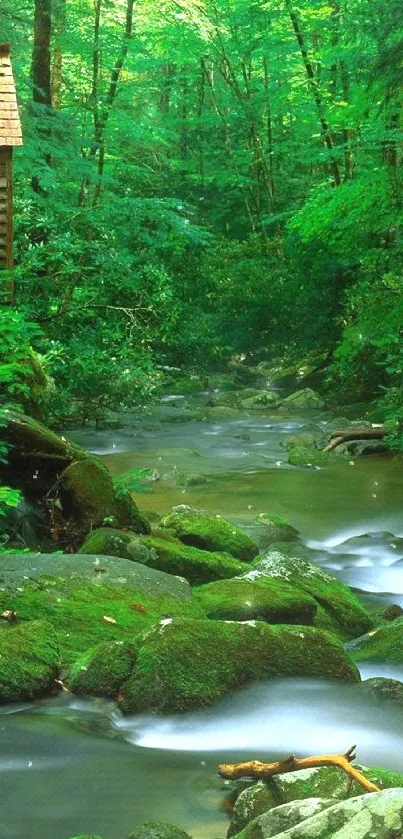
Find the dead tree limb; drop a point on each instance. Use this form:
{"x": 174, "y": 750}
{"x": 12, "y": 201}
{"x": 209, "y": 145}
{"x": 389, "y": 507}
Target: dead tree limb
{"x": 344, "y": 435}
{"x": 256, "y": 769}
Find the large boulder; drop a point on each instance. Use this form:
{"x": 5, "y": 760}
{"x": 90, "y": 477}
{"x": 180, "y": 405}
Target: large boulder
{"x": 301, "y": 399}
{"x": 209, "y": 532}
{"x": 91, "y": 599}
{"x": 29, "y": 661}
{"x": 167, "y": 555}
{"x": 186, "y": 664}
{"x": 241, "y": 600}
{"x": 325, "y": 783}
{"x": 338, "y": 611}
{"x": 377, "y": 815}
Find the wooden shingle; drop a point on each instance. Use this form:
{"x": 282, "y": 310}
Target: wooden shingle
{"x": 10, "y": 126}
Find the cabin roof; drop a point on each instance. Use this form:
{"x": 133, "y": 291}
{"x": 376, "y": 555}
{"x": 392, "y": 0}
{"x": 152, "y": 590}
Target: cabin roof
{"x": 10, "y": 125}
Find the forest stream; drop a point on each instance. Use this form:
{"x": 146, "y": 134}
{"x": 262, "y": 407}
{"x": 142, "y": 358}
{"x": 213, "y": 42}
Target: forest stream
{"x": 79, "y": 766}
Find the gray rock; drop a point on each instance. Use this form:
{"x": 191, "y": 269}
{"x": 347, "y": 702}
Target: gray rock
{"x": 17, "y": 569}
{"x": 376, "y": 815}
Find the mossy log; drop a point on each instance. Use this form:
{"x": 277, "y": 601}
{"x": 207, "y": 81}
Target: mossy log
{"x": 258, "y": 770}
{"x": 345, "y": 435}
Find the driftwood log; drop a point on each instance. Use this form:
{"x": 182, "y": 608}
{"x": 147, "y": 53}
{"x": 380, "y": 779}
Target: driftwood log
{"x": 259, "y": 771}
{"x": 354, "y": 432}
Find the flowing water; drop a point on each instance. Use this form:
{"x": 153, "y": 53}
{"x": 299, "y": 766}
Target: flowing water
{"x": 70, "y": 767}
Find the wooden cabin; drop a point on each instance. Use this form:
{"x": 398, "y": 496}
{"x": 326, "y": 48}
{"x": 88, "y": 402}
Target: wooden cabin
{"x": 10, "y": 136}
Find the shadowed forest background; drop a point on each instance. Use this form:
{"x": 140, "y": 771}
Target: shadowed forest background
{"x": 202, "y": 180}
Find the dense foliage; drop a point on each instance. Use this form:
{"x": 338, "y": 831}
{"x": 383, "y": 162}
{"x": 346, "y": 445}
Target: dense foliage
{"x": 201, "y": 179}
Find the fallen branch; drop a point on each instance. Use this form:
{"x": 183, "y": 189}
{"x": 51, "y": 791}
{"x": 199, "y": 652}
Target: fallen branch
{"x": 344, "y": 435}
{"x": 257, "y": 770}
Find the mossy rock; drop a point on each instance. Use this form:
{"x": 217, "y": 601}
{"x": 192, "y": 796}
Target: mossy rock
{"x": 165, "y": 553}
{"x": 226, "y": 399}
{"x": 195, "y": 565}
{"x": 382, "y": 689}
{"x": 304, "y": 440}
{"x": 88, "y": 496}
{"x": 383, "y": 644}
{"x": 209, "y": 532}
{"x": 103, "y": 669}
{"x": 112, "y": 542}
{"x": 29, "y": 661}
{"x": 241, "y": 600}
{"x": 158, "y": 830}
{"x": 307, "y": 456}
{"x": 376, "y": 815}
{"x": 87, "y": 837}
{"x": 339, "y": 611}
{"x": 324, "y": 782}
{"x": 187, "y": 664}
{"x": 262, "y": 400}
{"x": 304, "y": 398}
{"x": 84, "y": 613}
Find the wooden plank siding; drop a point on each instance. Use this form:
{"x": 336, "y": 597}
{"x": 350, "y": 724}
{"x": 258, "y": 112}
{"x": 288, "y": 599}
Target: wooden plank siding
{"x": 10, "y": 136}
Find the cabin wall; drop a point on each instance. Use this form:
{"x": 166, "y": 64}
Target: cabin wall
{"x": 6, "y": 223}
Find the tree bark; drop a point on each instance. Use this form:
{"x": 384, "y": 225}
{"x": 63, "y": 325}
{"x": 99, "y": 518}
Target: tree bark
{"x": 258, "y": 770}
{"x": 344, "y": 435}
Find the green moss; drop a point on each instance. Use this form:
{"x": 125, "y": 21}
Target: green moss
{"x": 274, "y": 602}
{"x": 29, "y": 661}
{"x": 320, "y": 782}
{"x": 102, "y": 670}
{"x": 303, "y": 456}
{"x": 304, "y": 398}
{"x": 77, "y": 610}
{"x": 112, "y": 542}
{"x": 383, "y": 644}
{"x": 338, "y": 611}
{"x": 185, "y": 664}
{"x": 209, "y": 532}
{"x": 197, "y": 566}
{"x": 163, "y": 552}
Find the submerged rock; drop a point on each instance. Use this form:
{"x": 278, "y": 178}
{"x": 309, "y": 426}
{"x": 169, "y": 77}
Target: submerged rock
{"x": 338, "y": 611}
{"x": 241, "y": 600}
{"x": 209, "y": 532}
{"x": 310, "y": 456}
{"x": 377, "y": 815}
{"x": 186, "y": 664}
{"x": 168, "y": 555}
{"x": 158, "y": 830}
{"x": 29, "y": 661}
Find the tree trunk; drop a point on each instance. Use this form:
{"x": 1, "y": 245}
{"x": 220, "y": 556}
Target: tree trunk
{"x": 41, "y": 84}
{"x": 316, "y": 92}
